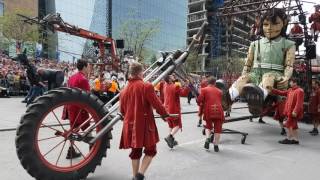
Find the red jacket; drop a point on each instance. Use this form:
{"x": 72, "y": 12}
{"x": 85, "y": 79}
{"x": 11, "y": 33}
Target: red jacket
{"x": 203, "y": 84}
{"x": 314, "y": 103}
{"x": 80, "y": 81}
{"x": 161, "y": 91}
{"x": 172, "y": 101}
{"x": 315, "y": 18}
{"x": 209, "y": 101}
{"x": 294, "y": 102}
{"x": 296, "y": 30}
{"x": 280, "y": 105}
{"x": 139, "y": 127}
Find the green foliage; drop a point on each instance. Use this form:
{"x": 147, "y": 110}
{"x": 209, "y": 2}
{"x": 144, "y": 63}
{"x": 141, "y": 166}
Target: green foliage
{"x": 153, "y": 59}
{"x": 193, "y": 62}
{"x": 137, "y": 33}
{"x": 233, "y": 65}
{"x": 12, "y": 27}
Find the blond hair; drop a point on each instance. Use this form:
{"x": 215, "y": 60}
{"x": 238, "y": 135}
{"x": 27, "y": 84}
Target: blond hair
{"x": 135, "y": 68}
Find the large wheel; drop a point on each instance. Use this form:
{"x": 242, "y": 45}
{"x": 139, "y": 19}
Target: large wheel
{"x": 43, "y": 139}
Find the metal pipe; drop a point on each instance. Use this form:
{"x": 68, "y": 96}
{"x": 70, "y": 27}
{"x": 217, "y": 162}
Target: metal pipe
{"x": 249, "y": 4}
{"x": 243, "y": 12}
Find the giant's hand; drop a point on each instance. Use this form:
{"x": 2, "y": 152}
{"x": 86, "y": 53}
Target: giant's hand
{"x": 283, "y": 84}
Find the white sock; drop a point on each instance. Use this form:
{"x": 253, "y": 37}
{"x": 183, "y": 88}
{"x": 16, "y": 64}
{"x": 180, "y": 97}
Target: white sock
{"x": 234, "y": 93}
{"x": 265, "y": 92}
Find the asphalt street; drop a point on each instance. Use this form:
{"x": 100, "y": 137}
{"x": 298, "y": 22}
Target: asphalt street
{"x": 260, "y": 158}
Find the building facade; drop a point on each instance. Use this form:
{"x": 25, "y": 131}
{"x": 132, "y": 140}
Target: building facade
{"x": 86, "y": 14}
{"x": 171, "y": 15}
{"x": 226, "y": 37}
{"x": 93, "y": 15}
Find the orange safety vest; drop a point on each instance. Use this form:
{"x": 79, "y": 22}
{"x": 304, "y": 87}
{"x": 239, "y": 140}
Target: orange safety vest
{"x": 114, "y": 87}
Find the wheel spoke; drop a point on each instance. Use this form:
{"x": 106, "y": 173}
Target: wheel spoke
{"x": 53, "y": 148}
{"x": 79, "y": 150}
{"x": 60, "y": 152}
{"x": 58, "y": 120}
{"x": 84, "y": 123}
{"x": 74, "y": 123}
{"x": 54, "y": 129}
{"x": 48, "y": 138}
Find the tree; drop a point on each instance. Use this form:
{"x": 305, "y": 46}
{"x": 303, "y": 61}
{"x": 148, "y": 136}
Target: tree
{"x": 137, "y": 34}
{"x": 193, "y": 62}
{"x": 153, "y": 59}
{"x": 13, "y": 28}
{"x": 234, "y": 65}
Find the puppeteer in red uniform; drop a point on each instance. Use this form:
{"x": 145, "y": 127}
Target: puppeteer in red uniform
{"x": 296, "y": 34}
{"x": 172, "y": 94}
{"x": 78, "y": 80}
{"x": 314, "y": 106}
{"x": 74, "y": 113}
{"x": 315, "y": 20}
{"x": 139, "y": 131}
{"x": 203, "y": 84}
{"x": 293, "y": 110}
{"x": 209, "y": 101}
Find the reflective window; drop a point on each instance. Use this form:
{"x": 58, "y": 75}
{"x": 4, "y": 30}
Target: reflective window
{"x": 1, "y": 8}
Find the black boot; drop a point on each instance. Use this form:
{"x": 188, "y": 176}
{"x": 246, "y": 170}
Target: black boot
{"x": 315, "y": 38}
{"x": 207, "y": 143}
{"x": 199, "y": 123}
{"x": 139, "y": 176}
{"x": 261, "y": 121}
{"x": 170, "y": 141}
{"x": 72, "y": 154}
{"x": 294, "y": 142}
{"x": 175, "y": 143}
{"x": 314, "y": 132}
{"x": 285, "y": 141}
{"x": 216, "y": 148}
{"x": 283, "y": 132}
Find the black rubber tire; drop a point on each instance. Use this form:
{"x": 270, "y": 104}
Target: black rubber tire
{"x": 26, "y": 132}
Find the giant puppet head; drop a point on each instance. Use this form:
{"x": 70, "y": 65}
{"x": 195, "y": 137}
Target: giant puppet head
{"x": 274, "y": 23}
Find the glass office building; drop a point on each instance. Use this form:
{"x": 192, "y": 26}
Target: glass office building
{"x": 86, "y": 14}
{"x": 170, "y": 13}
{"x": 92, "y": 15}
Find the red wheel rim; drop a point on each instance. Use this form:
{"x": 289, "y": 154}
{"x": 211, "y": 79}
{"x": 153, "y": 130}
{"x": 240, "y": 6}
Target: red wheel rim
{"x": 60, "y": 163}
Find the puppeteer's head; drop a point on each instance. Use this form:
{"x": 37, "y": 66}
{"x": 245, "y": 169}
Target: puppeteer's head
{"x": 274, "y": 23}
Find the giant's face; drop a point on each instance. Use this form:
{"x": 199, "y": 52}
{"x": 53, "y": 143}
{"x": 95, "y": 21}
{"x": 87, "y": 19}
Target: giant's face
{"x": 272, "y": 30}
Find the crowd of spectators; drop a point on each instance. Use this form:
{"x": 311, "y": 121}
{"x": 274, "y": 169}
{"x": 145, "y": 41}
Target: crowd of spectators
{"x": 14, "y": 81}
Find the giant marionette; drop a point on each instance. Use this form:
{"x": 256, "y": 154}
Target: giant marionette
{"x": 315, "y": 20}
{"x": 269, "y": 63}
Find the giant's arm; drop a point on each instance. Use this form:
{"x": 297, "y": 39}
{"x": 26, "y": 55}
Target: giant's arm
{"x": 288, "y": 65}
{"x": 249, "y": 62}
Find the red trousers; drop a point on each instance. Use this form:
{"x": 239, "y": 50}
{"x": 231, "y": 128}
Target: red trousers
{"x": 173, "y": 123}
{"x": 217, "y": 125}
{"x": 291, "y": 123}
{"x": 136, "y": 153}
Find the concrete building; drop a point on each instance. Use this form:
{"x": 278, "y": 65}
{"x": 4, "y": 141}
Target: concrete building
{"x": 224, "y": 38}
